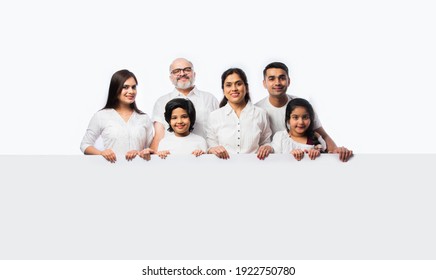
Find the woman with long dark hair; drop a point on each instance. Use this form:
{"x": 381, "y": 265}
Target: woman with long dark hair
{"x": 124, "y": 129}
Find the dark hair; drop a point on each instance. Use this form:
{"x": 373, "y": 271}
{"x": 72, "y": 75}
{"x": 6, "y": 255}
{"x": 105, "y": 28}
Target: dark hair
{"x": 242, "y": 75}
{"x": 115, "y": 88}
{"x": 301, "y": 102}
{"x": 180, "y": 103}
{"x": 279, "y": 65}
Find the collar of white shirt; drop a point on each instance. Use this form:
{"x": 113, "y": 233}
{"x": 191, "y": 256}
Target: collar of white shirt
{"x": 177, "y": 93}
{"x": 228, "y": 109}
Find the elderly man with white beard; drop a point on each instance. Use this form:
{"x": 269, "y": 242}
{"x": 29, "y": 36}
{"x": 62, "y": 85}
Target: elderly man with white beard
{"x": 182, "y": 75}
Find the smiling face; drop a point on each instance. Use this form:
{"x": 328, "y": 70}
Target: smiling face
{"x": 128, "y": 92}
{"x": 180, "y": 122}
{"x": 182, "y": 74}
{"x": 276, "y": 81}
{"x": 234, "y": 89}
{"x": 299, "y": 122}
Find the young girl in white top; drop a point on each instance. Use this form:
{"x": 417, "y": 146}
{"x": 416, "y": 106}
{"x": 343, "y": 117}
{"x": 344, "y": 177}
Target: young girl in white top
{"x": 123, "y": 128}
{"x": 299, "y": 137}
{"x": 180, "y": 115}
{"x": 238, "y": 126}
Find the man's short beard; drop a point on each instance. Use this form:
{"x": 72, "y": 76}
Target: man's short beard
{"x": 185, "y": 85}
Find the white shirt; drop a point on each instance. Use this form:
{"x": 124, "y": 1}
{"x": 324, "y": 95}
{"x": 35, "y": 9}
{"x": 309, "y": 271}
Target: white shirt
{"x": 117, "y": 134}
{"x": 182, "y": 145}
{"x": 238, "y": 135}
{"x": 283, "y": 144}
{"x": 204, "y": 103}
{"x": 276, "y": 115}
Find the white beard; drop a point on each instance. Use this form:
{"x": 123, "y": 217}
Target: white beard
{"x": 185, "y": 85}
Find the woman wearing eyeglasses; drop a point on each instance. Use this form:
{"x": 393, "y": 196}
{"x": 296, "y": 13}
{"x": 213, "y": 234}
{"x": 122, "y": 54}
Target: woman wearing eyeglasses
{"x": 238, "y": 127}
{"x": 124, "y": 129}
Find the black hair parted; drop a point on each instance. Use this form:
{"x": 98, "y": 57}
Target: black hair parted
{"x": 301, "y": 102}
{"x": 242, "y": 75}
{"x": 115, "y": 88}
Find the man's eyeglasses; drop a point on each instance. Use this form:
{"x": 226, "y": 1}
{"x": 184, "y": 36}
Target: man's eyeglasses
{"x": 178, "y": 70}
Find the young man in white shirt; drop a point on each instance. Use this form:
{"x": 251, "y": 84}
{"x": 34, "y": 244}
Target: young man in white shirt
{"x": 276, "y": 80}
{"x": 182, "y": 75}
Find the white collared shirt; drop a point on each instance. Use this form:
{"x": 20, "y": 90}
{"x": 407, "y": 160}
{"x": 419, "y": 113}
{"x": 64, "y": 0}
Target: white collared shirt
{"x": 204, "y": 103}
{"x": 117, "y": 134}
{"x": 276, "y": 116}
{"x": 238, "y": 135}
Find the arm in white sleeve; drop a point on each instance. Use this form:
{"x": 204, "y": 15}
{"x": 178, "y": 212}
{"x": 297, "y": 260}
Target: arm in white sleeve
{"x": 211, "y": 133}
{"x": 92, "y": 133}
{"x": 265, "y": 136}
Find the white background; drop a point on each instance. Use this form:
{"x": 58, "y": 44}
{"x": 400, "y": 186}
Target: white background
{"x": 368, "y": 67}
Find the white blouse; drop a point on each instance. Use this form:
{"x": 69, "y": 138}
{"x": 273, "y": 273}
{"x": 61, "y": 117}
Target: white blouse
{"x": 182, "y": 145}
{"x": 117, "y": 134}
{"x": 283, "y": 144}
{"x": 238, "y": 135}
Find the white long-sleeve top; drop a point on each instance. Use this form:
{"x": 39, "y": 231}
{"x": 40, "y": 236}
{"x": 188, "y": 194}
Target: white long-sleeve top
{"x": 117, "y": 134}
{"x": 241, "y": 135}
{"x": 182, "y": 145}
